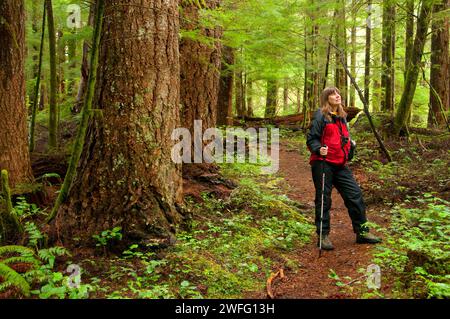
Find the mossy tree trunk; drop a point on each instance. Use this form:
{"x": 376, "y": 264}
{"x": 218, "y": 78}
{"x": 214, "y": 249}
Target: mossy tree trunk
{"x": 126, "y": 176}
{"x": 37, "y": 85}
{"x": 353, "y": 53}
{"x": 14, "y": 155}
{"x": 439, "y": 74}
{"x": 249, "y": 95}
{"x": 387, "y": 57}
{"x": 409, "y": 34}
{"x": 401, "y": 116}
{"x": 272, "y": 98}
{"x": 367, "y": 52}
{"x": 53, "y": 112}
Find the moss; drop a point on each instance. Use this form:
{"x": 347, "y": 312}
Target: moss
{"x": 118, "y": 162}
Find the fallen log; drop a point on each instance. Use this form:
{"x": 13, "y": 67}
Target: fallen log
{"x": 292, "y": 121}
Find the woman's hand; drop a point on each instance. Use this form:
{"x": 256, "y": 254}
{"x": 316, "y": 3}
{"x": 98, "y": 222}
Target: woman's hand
{"x": 324, "y": 151}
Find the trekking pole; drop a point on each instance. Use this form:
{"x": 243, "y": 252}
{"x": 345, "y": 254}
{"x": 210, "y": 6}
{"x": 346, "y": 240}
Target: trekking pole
{"x": 321, "y": 207}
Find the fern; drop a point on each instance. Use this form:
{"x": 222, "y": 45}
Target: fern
{"x": 34, "y": 234}
{"x": 11, "y": 277}
{"x": 21, "y": 259}
{"x": 5, "y": 286}
{"x": 49, "y": 255}
{"x": 15, "y": 249}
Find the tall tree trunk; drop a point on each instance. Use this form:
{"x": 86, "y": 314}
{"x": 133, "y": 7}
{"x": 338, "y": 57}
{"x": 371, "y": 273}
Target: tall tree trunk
{"x": 409, "y": 34}
{"x": 285, "y": 95}
{"x": 239, "y": 96}
{"x": 37, "y": 85}
{"x": 299, "y": 101}
{"x": 225, "y": 100}
{"x": 439, "y": 80}
{"x": 272, "y": 98}
{"x": 84, "y": 65}
{"x": 53, "y": 112}
{"x": 388, "y": 53}
{"x": 353, "y": 53}
{"x": 200, "y": 70}
{"x": 125, "y": 176}
{"x": 35, "y": 49}
{"x": 341, "y": 42}
{"x": 401, "y": 116}
{"x": 249, "y": 95}
{"x": 367, "y": 52}
{"x": 72, "y": 53}
{"x": 14, "y": 156}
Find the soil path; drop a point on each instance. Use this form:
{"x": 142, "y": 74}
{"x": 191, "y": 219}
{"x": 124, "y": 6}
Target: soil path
{"x": 311, "y": 279}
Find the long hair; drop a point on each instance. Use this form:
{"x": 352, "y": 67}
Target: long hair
{"x": 326, "y": 107}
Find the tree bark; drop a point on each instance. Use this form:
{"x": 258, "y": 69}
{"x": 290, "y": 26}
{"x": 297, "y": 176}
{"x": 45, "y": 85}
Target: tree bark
{"x": 367, "y": 52}
{"x": 126, "y": 176}
{"x": 409, "y": 34}
{"x": 84, "y": 66}
{"x": 401, "y": 116}
{"x": 239, "y": 96}
{"x": 353, "y": 53}
{"x": 388, "y": 55}
{"x": 272, "y": 98}
{"x": 14, "y": 156}
{"x": 439, "y": 80}
{"x": 225, "y": 100}
{"x": 249, "y": 95}
{"x": 53, "y": 112}
{"x": 200, "y": 70}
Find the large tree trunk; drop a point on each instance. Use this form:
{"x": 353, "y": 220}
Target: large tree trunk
{"x": 401, "y": 116}
{"x": 126, "y": 176}
{"x": 14, "y": 156}
{"x": 439, "y": 80}
{"x": 225, "y": 101}
{"x": 388, "y": 54}
{"x": 200, "y": 71}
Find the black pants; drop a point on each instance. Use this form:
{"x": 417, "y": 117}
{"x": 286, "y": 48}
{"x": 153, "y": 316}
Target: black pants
{"x": 342, "y": 178}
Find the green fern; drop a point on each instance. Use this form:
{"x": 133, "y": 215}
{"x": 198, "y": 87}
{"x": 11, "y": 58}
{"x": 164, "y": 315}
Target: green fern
{"x": 12, "y": 278}
{"x": 21, "y": 259}
{"x": 49, "y": 255}
{"x": 15, "y": 249}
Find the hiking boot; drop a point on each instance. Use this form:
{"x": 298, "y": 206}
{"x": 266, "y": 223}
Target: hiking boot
{"x": 326, "y": 243}
{"x": 367, "y": 238}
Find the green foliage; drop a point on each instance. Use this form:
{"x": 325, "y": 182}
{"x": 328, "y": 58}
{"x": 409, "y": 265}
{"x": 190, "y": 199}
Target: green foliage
{"x": 417, "y": 248}
{"x": 12, "y": 278}
{"x": 107, "y": 236}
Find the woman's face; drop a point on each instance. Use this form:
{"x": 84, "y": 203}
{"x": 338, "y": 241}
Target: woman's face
{"x": 334, "y": 98}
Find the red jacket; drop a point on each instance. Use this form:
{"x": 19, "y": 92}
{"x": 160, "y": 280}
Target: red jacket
{"x": 333, "y": 134}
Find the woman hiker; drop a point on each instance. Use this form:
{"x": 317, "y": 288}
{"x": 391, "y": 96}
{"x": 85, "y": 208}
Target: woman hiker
{"x": 329, "y": 143}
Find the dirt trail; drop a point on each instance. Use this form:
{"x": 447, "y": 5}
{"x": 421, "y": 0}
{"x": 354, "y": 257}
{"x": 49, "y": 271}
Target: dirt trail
{"x": 311, "y": 279}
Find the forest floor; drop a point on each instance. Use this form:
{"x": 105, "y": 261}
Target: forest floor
{"x": 247, "y": 226}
